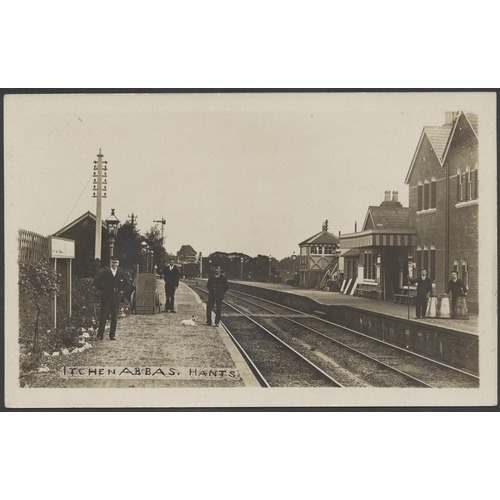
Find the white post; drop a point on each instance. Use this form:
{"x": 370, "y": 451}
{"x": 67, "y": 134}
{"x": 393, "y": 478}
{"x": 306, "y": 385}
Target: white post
{"x": 54, "y": 303}
{"x": 69, "y": 285}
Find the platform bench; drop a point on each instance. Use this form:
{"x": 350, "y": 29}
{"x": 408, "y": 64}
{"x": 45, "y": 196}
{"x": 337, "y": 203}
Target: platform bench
{"x": 403, "y": 297}
{"x": 368, "y": 290}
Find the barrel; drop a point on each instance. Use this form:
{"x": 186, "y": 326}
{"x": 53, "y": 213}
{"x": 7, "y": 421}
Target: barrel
{"x": 461, "y": 311}
{"x": 431, "y": 307}
{"x": 444, "y": 309}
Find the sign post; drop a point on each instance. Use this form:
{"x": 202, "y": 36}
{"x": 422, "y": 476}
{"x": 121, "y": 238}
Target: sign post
{"x": 62, "y": 248}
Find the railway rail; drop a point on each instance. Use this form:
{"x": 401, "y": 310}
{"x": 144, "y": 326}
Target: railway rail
{"x": 351, "y": 358}
{"x": 273, "y": 361}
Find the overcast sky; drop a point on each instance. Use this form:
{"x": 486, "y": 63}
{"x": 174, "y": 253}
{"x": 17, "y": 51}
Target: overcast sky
{"x": 251, "y": 173}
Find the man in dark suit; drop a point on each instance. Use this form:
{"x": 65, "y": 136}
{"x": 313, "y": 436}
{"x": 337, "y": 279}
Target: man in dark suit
{"x": 112, "y": 282}
{"x": 457, "y": 289}
{"x": 217, "y": 287}
{"x": 171, "y": 278}
{"x": 424, "y": 288}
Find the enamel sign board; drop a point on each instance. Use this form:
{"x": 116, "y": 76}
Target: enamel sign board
{"x": 61, "y": 248}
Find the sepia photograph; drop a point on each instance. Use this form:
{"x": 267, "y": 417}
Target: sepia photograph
{"x": 250, "y": 249}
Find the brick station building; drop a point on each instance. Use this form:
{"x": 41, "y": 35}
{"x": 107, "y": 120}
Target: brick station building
{"x": 439, "y": 229}
{"x": 443, "y": 197}
{"x": 379, "y": 253}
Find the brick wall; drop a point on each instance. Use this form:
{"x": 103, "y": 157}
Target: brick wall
{"x": 430, "y": 224}
{"x": 463, "y": 152}
{"x": 463, "y": 218}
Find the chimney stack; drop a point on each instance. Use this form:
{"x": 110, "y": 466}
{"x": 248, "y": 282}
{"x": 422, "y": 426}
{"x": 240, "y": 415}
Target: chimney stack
{"x": 387, "y": 196}
{"x": 449, "y": 117}
{"x": 395, "y": 196}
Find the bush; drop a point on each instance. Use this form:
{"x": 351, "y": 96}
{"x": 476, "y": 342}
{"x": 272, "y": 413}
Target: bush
{"x": 37, "y": 283}
{"x": 86, "y": 303}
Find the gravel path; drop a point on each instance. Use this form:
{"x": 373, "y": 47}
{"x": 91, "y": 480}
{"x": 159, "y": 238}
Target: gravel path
{"x": 150, "y": 351}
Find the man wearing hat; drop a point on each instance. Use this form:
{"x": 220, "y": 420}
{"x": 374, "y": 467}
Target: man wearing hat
{"x": 112, "y": 282}
{"x": 171, "y": 278}
{"x": 217, "y": 287}
{"x": 424, "y": 289}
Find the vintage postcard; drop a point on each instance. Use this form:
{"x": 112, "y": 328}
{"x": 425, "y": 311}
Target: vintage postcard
{"x": 250, "y": 249}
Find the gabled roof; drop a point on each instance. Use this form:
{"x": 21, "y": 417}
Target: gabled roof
{"x": 386, "y": 217}
{"x": 322, "y": 238}
{"x": 441, "y": 137}
{"x": 77, "y": 221}
{"x": 438, "y": 137}
{"x": 471, "y": 119}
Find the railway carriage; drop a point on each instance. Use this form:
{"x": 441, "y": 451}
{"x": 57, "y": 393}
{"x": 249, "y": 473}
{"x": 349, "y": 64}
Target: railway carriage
{"x": 190, "y": 270}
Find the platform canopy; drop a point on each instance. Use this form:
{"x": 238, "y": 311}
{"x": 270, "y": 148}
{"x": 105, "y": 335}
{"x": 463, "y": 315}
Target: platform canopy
{"x": 379, "y": 238}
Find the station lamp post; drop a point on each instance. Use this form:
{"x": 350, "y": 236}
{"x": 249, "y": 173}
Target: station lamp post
{"x": 293, "y": 259}
{"x": 241, "y": 271}
{"x": 112, "y": 224}
{"x": 151, "y": 260}
{"x": 270, "y": 268}
{"x": 144, "y": 251}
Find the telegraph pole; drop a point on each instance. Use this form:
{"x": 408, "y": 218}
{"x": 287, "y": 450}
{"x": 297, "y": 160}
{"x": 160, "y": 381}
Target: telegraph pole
{"x": 100, "y": 187}
{"x": 133, "y": 219}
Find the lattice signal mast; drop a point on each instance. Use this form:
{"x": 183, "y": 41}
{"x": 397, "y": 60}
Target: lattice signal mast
{"x": 162, "y": 221}
{"x": 99, "y": 192}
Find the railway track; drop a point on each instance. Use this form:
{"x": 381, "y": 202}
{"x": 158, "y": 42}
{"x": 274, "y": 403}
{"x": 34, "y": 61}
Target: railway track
{"x": 273, "y": 361}
{"x": 351, "y": 358}
{"x": 429, "y": 372}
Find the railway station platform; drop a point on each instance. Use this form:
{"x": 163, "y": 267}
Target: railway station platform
{"x": 154, "y": 351}
{"x": 451, "y": 341}
{"x": 387, "y": 307}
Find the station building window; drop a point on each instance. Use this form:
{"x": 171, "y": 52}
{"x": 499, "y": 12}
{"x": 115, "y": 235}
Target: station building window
{"x": 464, "y": 185}
{"x": 426, "y": 195}
{"x": 418, "y": 255}
{"x": 433, "y": 193}
{"x": 474, "y": 183}
{"x": 460, "y": 191}
{"x": 315, "y": 249}
{"x": 467, "y": 184}
{"x": 425, "y": 264}
{"x": 465, "y": 272}
{"x": 368, "y": 263}
{"x": 328, "y": 249}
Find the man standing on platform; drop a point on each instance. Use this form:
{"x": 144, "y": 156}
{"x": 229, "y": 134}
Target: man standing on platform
{"x": 424, "y": 288}
{"x": 171, "y": 278}
{"x": 112, "y": 282}
{"x": 457, "y": 289}
{"x": 217, "y": 287}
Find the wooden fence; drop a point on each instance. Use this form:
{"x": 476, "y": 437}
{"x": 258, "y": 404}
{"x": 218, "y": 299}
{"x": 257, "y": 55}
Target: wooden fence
{"x": 32, "y": 246}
